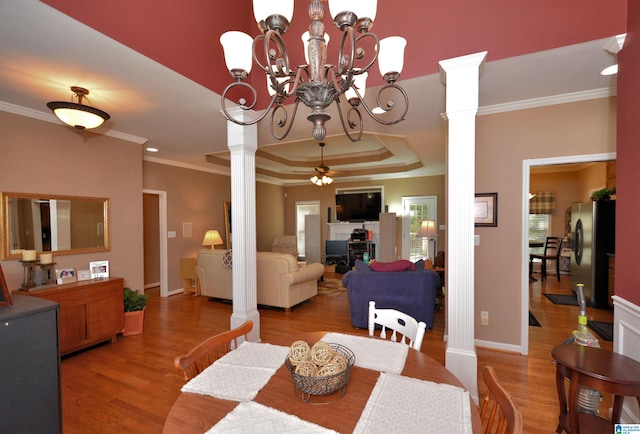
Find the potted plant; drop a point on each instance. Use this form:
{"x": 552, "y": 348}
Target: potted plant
{"x": 603, "y": 194}
{"x": 134, "y": 308}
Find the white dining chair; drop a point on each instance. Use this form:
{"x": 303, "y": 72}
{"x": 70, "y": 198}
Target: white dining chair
{"x": 396, "y": 322}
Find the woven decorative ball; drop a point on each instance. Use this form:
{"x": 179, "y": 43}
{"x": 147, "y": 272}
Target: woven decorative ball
{"x": 298, "y": 351}
{"x": 321, "y": 353}
{"x": 329, "y": 369}
{"x": 339, "y": 360}
{"x": 307, "y": 369}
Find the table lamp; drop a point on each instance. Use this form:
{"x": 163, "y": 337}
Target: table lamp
{"x": 428, "y": 230}
{"x": 212, "y": 238}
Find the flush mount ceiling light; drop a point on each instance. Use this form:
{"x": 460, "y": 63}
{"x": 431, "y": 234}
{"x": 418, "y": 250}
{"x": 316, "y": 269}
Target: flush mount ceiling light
{"x": 321, "y": 177}
{"x": 78, "y": 115}
{"x": 317, "y": 84}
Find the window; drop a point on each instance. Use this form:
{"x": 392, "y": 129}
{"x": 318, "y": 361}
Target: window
{"x": 417, "y": 209}
{"x": 302, "y": 209}
{"x": 539, "y": 226}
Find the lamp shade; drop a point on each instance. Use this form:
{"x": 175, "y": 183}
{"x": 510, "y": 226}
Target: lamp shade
{"x": 362, "y": 8}
{"x": 360, "y": 81}
{"x": 428, "y": 229}
{"x": 212, "y": 238}
{"x": 264, "y": 8}
{"x": 78, "y": 115}
{"x": 238, "y": 49}
{"x": 391, "y": 55}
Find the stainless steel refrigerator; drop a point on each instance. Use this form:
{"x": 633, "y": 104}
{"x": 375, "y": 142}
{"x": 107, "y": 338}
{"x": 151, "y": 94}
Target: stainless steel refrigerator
{"x": 592, "y": 241}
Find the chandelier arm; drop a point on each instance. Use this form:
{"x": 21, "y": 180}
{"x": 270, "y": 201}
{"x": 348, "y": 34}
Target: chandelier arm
{"x": 242, "y": 105}
{"x": 376, "y": 51}
{"x": 277, "y": 56}
{"x": 283, "y": 123}
{"x": 345, "y": 63}
{"x": 340, "y": 85}
{"x": 350, "y": 124}
{"x": 390, "y": 105}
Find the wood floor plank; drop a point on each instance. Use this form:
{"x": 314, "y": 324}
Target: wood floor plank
{"x": 129, "y": 386}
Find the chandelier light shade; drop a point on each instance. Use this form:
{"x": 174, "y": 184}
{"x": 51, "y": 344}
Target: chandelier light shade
{"x": 78, "y": 115}
{"x": 212, "y": 238}
{"x": 319, "y": 83}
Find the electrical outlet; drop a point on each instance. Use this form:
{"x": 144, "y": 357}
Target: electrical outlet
{"x": 484, "y": 318}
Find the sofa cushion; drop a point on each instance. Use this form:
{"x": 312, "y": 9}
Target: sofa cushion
{"x": 401, "y": 265}
{"x": 360, "y": 265}
{"x": 419, "y": 264}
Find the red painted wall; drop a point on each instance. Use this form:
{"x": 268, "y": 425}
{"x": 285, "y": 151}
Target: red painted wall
{"x": 184, "y": 34}
{"x": 628, "y": 175}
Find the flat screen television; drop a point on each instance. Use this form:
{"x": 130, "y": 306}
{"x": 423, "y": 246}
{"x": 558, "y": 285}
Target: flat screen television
{"x": 358, "y": 207}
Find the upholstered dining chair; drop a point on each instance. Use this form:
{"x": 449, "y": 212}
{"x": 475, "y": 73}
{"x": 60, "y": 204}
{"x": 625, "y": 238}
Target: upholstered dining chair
{"x": 210, "y": 350}
{"x": 499, "y": 412}
{"x": 396, "y": 322}
{"x": 552, "y": 250}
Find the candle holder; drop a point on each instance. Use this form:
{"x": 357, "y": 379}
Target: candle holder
{"x": 29, "y": 273}
{"x": 48, "y": 273}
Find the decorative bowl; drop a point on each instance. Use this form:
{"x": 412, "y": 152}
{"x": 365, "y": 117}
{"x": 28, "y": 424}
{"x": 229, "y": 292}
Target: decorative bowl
{"x": 309, "y": 386}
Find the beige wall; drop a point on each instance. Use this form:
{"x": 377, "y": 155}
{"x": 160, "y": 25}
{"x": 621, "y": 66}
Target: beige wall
{"x": 48, "y": 158}
{"x": 504, "y": 141}
{"x": 270, "y": 202}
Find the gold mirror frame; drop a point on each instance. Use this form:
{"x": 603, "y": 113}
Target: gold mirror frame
{"x": 5, "y": 197}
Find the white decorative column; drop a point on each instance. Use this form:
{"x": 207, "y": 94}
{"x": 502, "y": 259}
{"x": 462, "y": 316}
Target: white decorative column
{"x": 461, "y": 77}
{"x": 243, "y": 143}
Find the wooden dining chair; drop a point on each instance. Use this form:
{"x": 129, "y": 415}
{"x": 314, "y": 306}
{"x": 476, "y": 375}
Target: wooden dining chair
{"x": 552, "y": 250}
{"x": 210, "y": 350}
{"x": 396, "y": 322}
{"x": 499, "y": 412}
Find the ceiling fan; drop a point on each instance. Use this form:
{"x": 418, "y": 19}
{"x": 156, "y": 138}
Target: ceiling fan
{"x": 321, "y": 177}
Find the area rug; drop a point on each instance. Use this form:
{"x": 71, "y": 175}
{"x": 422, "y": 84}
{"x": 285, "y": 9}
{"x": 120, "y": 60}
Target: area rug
{"x": 533, "y": 322}
{"x": 602, "y": 329}
{"x": 331, "y": 287}
{"x": 569, "y": 300}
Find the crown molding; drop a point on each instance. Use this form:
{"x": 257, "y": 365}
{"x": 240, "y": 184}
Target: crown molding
{"x": 48, "y": 117}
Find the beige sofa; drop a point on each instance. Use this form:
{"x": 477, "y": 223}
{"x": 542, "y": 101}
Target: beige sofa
{"x": 281, "y": 282}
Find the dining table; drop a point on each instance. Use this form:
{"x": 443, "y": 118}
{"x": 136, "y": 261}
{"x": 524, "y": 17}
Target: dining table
{"x": 438, "y": 394}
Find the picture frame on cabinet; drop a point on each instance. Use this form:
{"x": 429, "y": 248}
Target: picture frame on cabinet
{"x": 84, "y": 275}
{"x": 66, "y": 275}
{"x": 5, "y": 297}
{"x": 99, "y": 269}
{"x": 485, "y": 210}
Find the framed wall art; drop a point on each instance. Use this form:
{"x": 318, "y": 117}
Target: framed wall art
{"x": 485, "y": 210}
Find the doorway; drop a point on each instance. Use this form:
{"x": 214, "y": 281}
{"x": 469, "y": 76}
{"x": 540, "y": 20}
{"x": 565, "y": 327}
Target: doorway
{"x": 526, "y": 180}
{"x": 157, "y": 214}
{"x": 415, "y": 209}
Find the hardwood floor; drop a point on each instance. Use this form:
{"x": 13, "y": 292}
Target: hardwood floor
{"x": 129, "y": 386}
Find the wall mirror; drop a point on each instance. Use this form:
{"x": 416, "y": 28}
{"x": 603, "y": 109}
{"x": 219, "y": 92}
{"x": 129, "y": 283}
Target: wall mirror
{"x": 64, "y": 225}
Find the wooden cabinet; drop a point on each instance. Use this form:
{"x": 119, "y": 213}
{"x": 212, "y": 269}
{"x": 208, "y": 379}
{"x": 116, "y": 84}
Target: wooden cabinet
{"x": 29, "y": 367}
{"x": 90, "y": 312}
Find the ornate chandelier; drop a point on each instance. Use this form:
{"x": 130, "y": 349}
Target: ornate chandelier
{"x": 317, "y": 84}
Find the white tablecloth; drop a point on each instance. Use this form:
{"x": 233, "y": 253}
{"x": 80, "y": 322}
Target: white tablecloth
{"x": 373, "y": 353}
{"x": 407, "y": 405}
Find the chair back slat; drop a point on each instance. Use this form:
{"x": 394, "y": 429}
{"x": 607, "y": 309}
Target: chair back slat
{"x": 499, "y": 412}
{"x": 210, "y": 350}
{"x": 398, "y": 324}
